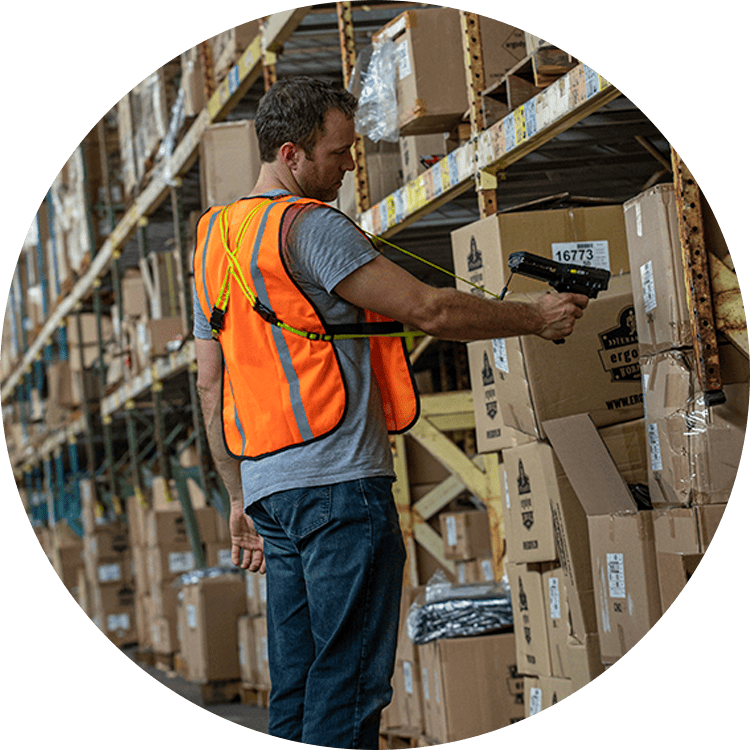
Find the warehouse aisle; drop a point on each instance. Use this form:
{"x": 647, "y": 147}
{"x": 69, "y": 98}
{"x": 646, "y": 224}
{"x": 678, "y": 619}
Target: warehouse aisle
{"x": 252, "y": 717}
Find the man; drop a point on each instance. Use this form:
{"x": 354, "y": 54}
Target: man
{"x": 298, "y": 423}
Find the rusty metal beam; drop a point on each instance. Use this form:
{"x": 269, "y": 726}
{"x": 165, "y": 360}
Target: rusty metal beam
{"x": 475, "y": 84}
{"x": 348, "y": 62}
{"x": 697, "y": 281}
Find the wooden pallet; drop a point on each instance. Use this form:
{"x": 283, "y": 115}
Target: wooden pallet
{"x": 397, "y": 738}
{"x": 164, "y": 662}
{"x": 254, "y": 696}
{"x": 223, "y": 691}
{"x": 144, "y": 656}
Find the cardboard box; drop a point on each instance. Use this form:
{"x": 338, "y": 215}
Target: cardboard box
{"x": 466, "y": 534}
{"x": 166, "y": 528}
{"x": 659, "y": 294}
{"x": 408, "y": 711}
{"x": 529, "y": 619}
{"x": 431, "y": 83}
{"x": 681, "y": 531}
{"x": 543, "y": 692}
{"x": 582, "y": 660}
{"x": 230, "y": 162}
{"x": 212, "y": 606}
{"x": 530, "y": 537}
{"x": 557, "y": 618}
{"x": 475, "y": 571}
{"x": 246, "y": 650}
{"x": 623, "y": 556}
{"x": 260, "y": 631}
{"x": 591, "y": 235}
{"x": 255, "y": 587}
{"x": 674, "y": 572}
{"x": 627, "y": 445}
{"x": 682, "y": 536}
{"x": 626, "y": 580}
{"x": 134, "y": 299}
{"x": 570, "y": 529}
{"x": 694, "y": 450}
{"x": 491, "y": 434}
{"x": 166, "y": 563}
{"x": 543, "y": 381}
{"x": 420, "y": 152}
{"x": 463, "y": 681}
{"x": 164, "y": 635}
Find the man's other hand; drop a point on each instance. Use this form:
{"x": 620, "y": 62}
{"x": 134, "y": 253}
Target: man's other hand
{"x": 245, "y": 537}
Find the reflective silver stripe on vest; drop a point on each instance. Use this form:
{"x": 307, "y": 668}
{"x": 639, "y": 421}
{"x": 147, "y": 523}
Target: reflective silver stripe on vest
{"x": 295, "y": 394}
{"x": 209, "y": 306}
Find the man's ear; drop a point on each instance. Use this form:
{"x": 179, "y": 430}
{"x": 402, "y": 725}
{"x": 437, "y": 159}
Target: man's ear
{"x": 289, "y": 154}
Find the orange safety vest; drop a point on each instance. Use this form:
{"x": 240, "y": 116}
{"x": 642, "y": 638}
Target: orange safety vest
{"x": 282, "y": 384}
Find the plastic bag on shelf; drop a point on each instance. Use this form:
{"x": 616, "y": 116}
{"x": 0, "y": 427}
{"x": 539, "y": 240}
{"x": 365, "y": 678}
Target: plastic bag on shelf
{"x": 375, "y": 79}
{"x": 448, "y": 610}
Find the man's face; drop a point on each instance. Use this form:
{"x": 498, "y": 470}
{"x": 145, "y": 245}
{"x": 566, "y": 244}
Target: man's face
{"x": 320, "y": 176}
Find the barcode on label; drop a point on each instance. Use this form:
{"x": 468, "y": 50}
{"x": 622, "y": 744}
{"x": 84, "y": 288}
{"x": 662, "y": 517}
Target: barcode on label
{"x": 181, "y": 562}
{"x": 500, "y": 355}
{"x": 450, "y": 528}
{"x": 648, "y": 286}
{"x": 554, "y": 598}
{"x": 595, "y": 253}
{"x": 402, "y": 60}
{"x": 654, "y": 446}
{"x": 616, "y": 575}
{"x": 408, "y": 678}
{"x": 535, "y": 701}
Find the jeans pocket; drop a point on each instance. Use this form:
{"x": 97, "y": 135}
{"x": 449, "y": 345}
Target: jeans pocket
{"x": 303, "y": 511}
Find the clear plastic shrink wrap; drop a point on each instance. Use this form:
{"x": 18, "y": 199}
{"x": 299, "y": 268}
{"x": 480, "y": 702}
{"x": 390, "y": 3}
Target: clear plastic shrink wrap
{"x": 377, "y": 113}
{"x": 448, "y": 611}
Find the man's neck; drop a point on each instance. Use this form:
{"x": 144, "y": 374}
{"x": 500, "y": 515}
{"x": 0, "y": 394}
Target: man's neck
{"x": 275, "y": 176}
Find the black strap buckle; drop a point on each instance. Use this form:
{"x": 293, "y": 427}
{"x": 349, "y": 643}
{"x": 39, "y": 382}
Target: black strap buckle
{"x": 267, "y": 314}
{"x": 217, "y": 320}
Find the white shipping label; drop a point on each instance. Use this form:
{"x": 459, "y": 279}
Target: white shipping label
{"x": 408, "y": 678}
{"x": 262, "y": 588}
{"x": 109, "y": 573}
{"x": 500, "y": 355}
{"x": 192, "y": 618}
{"x": 616, "y": 575}
{"x": 638, "y": 220}
{"x": 461, "y": 572}
{"x": 225, "y": 558}
{"x": 535, "y": 700}
{"x": 250, "y": 586}
{"x": 181, "y": 562}
{"x": 450, "y": 529}
{"x": 118, "y": 622}
{"x": 594, "y": 253}
{"x": 507, "y": 490}
{"x": 264, "y": 649}
{"x": 425, "y": 684}
{"x": 554, "y": 598}
{"x": 654, "y": 448}
{"x": 488, "y": 572}
{"x": 242, "y": 653}
{"x": 402, "y": 60}
{"x": 648, "y": 286}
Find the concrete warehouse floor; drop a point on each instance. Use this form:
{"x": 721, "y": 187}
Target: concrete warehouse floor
{"x": 252, "y": 717}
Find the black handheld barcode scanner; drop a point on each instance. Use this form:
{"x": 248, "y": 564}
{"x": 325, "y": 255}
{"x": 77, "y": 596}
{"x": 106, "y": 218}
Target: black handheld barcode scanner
{"x": 562, "y": 277}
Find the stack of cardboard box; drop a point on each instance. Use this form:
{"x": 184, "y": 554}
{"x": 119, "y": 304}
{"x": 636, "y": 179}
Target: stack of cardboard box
{"x": 208, "y": 627}
{"x": 431, "y": 92}
{"x": 694, "y": 447}
{"x": 252, "y": 635}
{"x": 108, "y": 564}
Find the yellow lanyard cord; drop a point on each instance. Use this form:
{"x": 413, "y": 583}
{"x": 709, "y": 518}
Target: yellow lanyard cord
{"x": 430, "y": 263}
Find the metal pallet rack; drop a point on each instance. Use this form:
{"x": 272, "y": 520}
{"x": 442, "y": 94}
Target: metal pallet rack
{"x": 124, "y": 437}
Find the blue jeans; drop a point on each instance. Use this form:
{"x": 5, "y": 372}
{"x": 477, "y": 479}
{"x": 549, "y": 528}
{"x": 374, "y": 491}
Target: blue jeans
{"x": 334, "y": 567}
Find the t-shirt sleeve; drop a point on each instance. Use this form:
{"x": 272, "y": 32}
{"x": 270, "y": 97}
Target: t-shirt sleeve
{"x": 325, "y": 247}
{"x": 201, "y": 326}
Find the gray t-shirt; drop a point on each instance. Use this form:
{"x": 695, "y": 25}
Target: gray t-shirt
{"x": 323, "y": 248}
